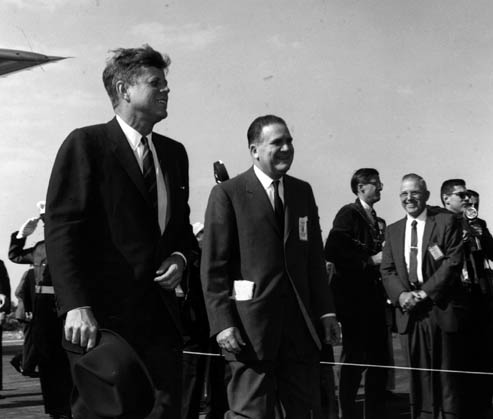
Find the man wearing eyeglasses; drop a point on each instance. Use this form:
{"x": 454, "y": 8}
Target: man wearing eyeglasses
{"x": 477, "y": 279}
{"x": 354, "y": 246}
{"x": 421, "y": 263}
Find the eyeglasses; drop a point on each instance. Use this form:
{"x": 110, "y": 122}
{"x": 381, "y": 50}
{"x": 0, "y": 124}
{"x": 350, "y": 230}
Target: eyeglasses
{"x": 461, "y": 195}
{"x": 375, "y": 183}
{"x": 413, "y": 194}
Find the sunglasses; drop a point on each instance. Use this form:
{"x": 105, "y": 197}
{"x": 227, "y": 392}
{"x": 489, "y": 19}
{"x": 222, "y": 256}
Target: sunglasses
{"x": 461, "y": 195}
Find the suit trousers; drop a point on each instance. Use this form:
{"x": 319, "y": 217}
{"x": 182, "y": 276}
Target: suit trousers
{"x": 256, "y": 388}
{"x": 364, "y": 342}
{"x": 434, "y": 395}
{"x": 54, "y": 370}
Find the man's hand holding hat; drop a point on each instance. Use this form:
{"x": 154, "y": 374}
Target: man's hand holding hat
{"x": 81, "y": 327}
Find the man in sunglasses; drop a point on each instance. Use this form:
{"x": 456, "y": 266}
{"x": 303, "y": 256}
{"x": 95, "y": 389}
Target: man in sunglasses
{"x": 477, "y": 279}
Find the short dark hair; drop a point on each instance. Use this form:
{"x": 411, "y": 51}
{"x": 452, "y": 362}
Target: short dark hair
{"x": 126, "y": 64}
{"x": 255, "y": 129}
{"x": 448, "y": 187}
{"x": 362, "y": 176}
{"x": 473, "y": 193}
{"x": 417, "y": 178}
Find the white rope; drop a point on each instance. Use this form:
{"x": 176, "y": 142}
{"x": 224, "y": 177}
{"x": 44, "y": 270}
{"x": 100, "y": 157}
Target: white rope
{"x": 395, "y": 367}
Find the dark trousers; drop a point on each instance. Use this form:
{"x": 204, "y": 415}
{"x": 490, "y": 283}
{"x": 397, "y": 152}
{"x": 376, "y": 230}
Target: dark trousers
{"x": 364, "y": 341}
{"x": 54, "y": 370}
{"x": 434, "y": 395}
{"x": 257, "y": 388}
{"x": 479, "y": 337}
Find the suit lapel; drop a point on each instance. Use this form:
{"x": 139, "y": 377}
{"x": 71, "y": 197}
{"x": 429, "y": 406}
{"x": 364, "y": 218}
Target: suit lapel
{"x": 288, "y": 207}
{"x": 260, "y": 200}
{"x": 124, "y": 154}
{"x": 429, "y": 227}
{"x": 363, "y": 213}
{"x": 399, "y": 237}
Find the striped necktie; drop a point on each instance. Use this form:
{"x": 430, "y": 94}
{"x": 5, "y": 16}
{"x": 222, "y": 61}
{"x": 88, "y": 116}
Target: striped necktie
{"x": 413, "y": 256}
{"x": 149, "y": 172}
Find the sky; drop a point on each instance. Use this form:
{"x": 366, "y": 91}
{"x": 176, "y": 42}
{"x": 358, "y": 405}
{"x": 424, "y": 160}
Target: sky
{"x": 402, "y": 86}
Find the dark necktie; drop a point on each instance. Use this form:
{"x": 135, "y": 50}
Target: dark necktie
{"x": 413, "y": 255}
{"x": 278, "y": 207}
{"x": 149, "y": 172}
{"x": 374, "y": 216}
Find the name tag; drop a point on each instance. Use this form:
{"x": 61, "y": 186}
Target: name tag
{"x": 303, "y": 228}
{"x": 436, "y": 252}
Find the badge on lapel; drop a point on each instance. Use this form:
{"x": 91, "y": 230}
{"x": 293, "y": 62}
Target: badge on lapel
{"x": 436, "y": 252}
{"x": 303, "y": 228}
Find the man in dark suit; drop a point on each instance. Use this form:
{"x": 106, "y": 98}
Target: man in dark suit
{"x": 46, "y": 331}
{"x": 354, "y": 246}
{"x": 421, "y": 265}
{"x": 117, "y": 228}
{"x": 264, "y": 281}
{"x": 476, "y": 277}
{"x": 4, "y": 309}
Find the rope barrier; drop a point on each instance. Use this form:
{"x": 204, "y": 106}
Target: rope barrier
{"x": 395, "y": 367}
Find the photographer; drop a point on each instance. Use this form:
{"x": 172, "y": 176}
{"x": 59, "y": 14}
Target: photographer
{"x": 477, "y": 278}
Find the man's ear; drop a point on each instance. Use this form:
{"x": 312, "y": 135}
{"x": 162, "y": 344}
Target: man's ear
{"x": 254, "y": 150}
{"x": 445, "y": 198}
{"x": 121, "y": 90}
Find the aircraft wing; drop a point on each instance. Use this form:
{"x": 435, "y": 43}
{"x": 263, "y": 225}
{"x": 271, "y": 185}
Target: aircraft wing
{"x": 15, "y": 60}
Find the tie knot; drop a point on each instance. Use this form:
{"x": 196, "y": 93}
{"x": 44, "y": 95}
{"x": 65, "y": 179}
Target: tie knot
{"x": 413, "y": 224}
{"x": 144, "y": 141}
{"x": 275, "y": 184}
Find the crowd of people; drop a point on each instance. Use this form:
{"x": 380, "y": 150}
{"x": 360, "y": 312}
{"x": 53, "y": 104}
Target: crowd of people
{"x": 123, "y": 283}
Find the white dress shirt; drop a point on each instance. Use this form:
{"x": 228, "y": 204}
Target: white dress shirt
{"x": 268, "y": 185}
{"x": 134, "y": 140}
{"x": 420, "y": 228}
{"x": 367, "y": 209}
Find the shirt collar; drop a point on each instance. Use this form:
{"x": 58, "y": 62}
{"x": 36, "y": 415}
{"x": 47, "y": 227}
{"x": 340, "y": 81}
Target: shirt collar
{"x": 365, "y": 205}
{"x": 420, "y": 218}
{"x": 133, "y": 136}
{"x": 265, "y": 180}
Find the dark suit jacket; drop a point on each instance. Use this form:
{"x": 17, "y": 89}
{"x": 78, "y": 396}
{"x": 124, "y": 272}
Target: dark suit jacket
{"x": 242, "y": 241}
{"x": 352, "y": 240}
{"x": 4, "y": 288}
{"x": 104, "y": 245}
{"x": 441, "y": 278}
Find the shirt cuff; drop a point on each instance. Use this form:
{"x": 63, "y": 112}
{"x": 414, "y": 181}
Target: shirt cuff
{"x": 182, "y": 256}
{"x": 327, "y": 315}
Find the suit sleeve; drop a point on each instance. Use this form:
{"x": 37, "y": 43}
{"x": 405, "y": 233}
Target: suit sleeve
{"x": 68, "y": 208}
{"x": 4, "y": 287}
{"x": 486, "y": 241}
{"x": 220, "y": 243}
{"x": 321, "y": 293}
{"x": 17, "y": 253}
{"x": 393, "y": 285}
{"x": 438, "y": 284}
{"x": 342, "y": 247}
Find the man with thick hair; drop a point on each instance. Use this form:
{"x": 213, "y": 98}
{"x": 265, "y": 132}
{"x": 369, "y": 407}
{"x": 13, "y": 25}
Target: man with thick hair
{"x": 264, "y": 281}
{"x": 354, "y": 246}
{"x": 421, "y": 265}
{"x": 117, "y": 226}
